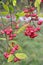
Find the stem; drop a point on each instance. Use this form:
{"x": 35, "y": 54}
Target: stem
{"x": 7, "y": 42}
{"x": 2, "y": 21}
{"x": 11, "y": 20}
{"x": 5, "y": 35}
{"x": 34, "y": 24}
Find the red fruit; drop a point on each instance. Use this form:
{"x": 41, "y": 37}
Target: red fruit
{"x": 26, "y": 11}
{"x": 34, "y": 15}
{"x": 7, "y": 16}
{"x": 2, "y": 31}
{"x": 6, "y": 55}
{"x": 5, "y": 30}
{"x": 16, "y": 59}
{"x": 38, "y": 28}
{"x": 17, "y": 27}
{"x": 11, "y": 35}
{"x": 35, "y": 35}
{"x": 39, "y": 22}
{"x": 10, "y": 30}
{"x": 12, "y": 51}
{"x": 37, "y": 17}
{"x": 26, "y": 33}
{"x": 14, "y": 35}
{"x": 31, "y": 36}
{"x": 35, "y": 30}
{"x": 27, "y": 15}
{"x": 32, "y": 9}
{"x": 10, "y": 38}
{"x": 16, "y": 47}
{"x": 8, "y": 33}
{"x": 32, "y": 32}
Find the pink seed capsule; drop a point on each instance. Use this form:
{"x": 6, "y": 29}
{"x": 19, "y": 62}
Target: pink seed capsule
{"x": 10, "y": 38}
{"x": 6, "y": 55}
{"x": 16, "y": 59}
{"x": 38, "y": 28}
{"x": 8, "y": 16}
{"x": 17, "y": 27}
{"x": 14, "y": 35}
{"x": 8, "y": 33}
{"x": 39, "y": 22}
{"x": 10, "y": 30}
{"x": 12, "y": 51}
{"x": 16, "y": 47}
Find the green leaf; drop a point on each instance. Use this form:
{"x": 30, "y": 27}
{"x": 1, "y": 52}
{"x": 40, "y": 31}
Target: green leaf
{"x": 22, "y": 14}
{"x": 21, "y": 55}
{"x": 37, "y": 4}
{"x": 19, "y": 14}
{"x": 11, "y": 8}
{"x": 2, "y": 38}
{"x": 14, "y": 2}
{"x": 11, "y": 57}
{"x": 5, "y": 7}
{"x": 40, "y": 15}
{"x": 4, "y": 13}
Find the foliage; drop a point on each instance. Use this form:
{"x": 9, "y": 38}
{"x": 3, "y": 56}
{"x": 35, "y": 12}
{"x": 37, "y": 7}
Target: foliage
{"x": 37, "y": 4}
{"x": 21, "y": 55}
{"x": 14, "y": 2}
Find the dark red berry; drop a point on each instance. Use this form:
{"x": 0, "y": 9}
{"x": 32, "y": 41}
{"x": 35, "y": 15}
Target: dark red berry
{"x": 16, "y": 59}
{"x": 10, "y": 38}
{"x": 16, "y": 47}
{"x": 38, "y": 28}
{"x": 26, "y": 11}
{"x": 6, "y": 55}
{"x": 39, "y": 22}
{"x": 17, "y": 27}
{"x": 32, "y": 8}
{"x": 10, "y": 30}
{"x": 14, "y": 35}
{"x": 27, "y": 15}
{"x": 12, "y": 51}
{"x": 8, "y": 33}
{"x": 33, "y": 15}
{"x": 8, "y": 16}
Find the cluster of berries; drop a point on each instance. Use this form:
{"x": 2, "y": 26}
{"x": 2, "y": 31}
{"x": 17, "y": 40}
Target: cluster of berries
{"x": 29, "y": 12}
{"x": 12, "y": 51}
{"x": 9, "y": 33}
{"x": 42, "y": 1}
{"x": 31, "y": 31}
